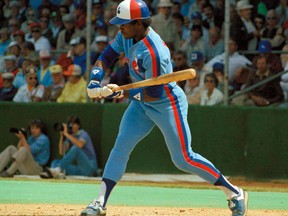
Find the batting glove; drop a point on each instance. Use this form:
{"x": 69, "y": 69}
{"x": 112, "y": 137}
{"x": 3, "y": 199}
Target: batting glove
{"x": 94, "y": 89}
{"x": 109, "y": 92}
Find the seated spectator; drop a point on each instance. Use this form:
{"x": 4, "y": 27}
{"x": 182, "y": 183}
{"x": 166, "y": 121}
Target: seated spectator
{"x": 68, "y": 33}
{"x": 31, "y": 16}
{"x": 99, "y": 44}
{"x": 197, "y": 62}
{"x": 28, "y": 49}
{"x": 264, "y": 48}
{"x": 195, "y": 43}
{"x": 193, "y": 90}
{"x": 80, "y": 15}
{"x": 76, "y": 147}
{"x": 45, "y": 29}
{"x": 180, "y": 63}
{"x": 52, "y": 92}
{"x": 75, "y": 88}
{"x": 31, "y": 153}
{"x": 215, "y": 44}
{"x": 14, "y": 49}
{"x": 211, "y": 20}
{"x": 235, "y": 60}
{"x": 8, "y": 91}
{"x": 40, "y": 42}
{"x": 56, "y": 27}
{"x": 5, "y": 40}
{"x": 218, "y": 70}
{"x": 20, "y": 79}
{"x": 264, "y": 95}
{"x": 19, "y": 37}
{"x": 273, "y": 32}
{"x": 79, "y": 53}
{"x": 101, "y": 28}
{"x": 30, "y": 92}
{"x": 259, "y": 23}
{"x": 44, "y": 76}
{"x": 211, "y": 95}
{"x": 10, "y": 66}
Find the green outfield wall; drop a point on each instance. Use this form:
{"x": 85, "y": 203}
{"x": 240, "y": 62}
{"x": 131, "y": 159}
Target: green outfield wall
{"x": 247, "y": 141}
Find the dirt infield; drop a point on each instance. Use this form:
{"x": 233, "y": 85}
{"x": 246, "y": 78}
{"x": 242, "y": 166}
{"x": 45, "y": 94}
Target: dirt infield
{"x": 58, "y": 210}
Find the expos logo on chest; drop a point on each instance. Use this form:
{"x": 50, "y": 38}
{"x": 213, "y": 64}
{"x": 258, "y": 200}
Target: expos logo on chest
{"x": 137, "y": 67}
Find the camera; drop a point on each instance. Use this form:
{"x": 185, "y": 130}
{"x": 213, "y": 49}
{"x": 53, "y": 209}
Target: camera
{"x": 17, "y": 130}
{"x": 58, "y": 127}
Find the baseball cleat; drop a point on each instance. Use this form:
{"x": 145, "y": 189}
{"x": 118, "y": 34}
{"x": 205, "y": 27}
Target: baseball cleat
{"x": 239, "y": 204}
{"x": 94, "y": 209}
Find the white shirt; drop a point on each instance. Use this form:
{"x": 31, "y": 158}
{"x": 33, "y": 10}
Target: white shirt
{"x": 41, "y": 44}
{"x": 215, "y": 98}
{"x": 235, "y": 61}
{"x": 284, "y": 82}
{"x": 24, "y": 95}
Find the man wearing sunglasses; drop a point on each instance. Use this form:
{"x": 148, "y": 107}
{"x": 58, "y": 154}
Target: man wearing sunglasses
{"x": 40, "y": 42}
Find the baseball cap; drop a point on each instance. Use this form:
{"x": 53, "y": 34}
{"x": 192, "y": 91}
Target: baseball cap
{"x": 7, "y": 75}
{"x": 264, "y": 46}
{"x": 165, "y": 3}
{"x": 18, "y": 32}
{"x": 77, "y": 40}
{"x": 73, "y": 70}
{"x": 129, "y": 10}
{"x": 218, "y": 66}
{"x": 101, "y": 38}
{"x": 13, "y": 43}
{"x": 196, "y": 56}
{"x": 196, "y": 15}
{"x": 10, "y": 58}
{"x": 101, "y": 24}
{"x": 34, "y": 25}
{"x": 54, "y": 69}
{"x": 44, "y": 54}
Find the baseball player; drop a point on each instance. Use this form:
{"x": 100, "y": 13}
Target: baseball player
{"x": 164, "y": 106}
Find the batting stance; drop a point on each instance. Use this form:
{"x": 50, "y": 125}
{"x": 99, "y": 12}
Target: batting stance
{"x": 162, "y": 105}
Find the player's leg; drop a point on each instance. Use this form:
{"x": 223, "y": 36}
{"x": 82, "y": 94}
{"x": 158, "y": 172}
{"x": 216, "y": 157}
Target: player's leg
{"x": 135, "y": 125}
{"x": 174, "y": 126}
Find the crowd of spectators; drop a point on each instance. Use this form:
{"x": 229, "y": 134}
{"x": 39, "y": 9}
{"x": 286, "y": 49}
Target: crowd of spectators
{"x": 43, "y": 47}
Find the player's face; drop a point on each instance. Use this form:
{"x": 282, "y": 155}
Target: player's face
{"x": 129, "y": 30}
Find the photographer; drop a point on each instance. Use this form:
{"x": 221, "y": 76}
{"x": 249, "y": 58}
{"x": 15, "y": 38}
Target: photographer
{"x": 80, "y": 158}
{"x": 31, "y": 153}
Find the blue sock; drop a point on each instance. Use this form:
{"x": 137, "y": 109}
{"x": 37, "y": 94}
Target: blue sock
{"x": 109, "y": 187}
{"x": 225, "y": 183}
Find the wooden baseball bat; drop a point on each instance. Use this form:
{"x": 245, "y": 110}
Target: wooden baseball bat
{"x": 163, "y": 79}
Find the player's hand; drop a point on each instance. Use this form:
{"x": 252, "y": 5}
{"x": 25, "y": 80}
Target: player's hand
{"x": 94, "y": 89}
{"x": 110, "y": 91}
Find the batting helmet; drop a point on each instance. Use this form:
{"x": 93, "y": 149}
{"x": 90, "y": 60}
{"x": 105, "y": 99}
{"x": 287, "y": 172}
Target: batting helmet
{"x": 129, "y": 10}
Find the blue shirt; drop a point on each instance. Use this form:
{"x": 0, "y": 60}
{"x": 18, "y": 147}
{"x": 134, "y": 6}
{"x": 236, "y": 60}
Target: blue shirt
{"x": 81, "y": 61}
{"x": 40, "y": 148}
{"x": 3, "y": 47}
{"x": 19, "y": 80}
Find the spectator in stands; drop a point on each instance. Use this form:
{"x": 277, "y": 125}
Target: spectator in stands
{"x": 101, "y": 28}
{"x": 44, "y": 76}
{"x": 79, "y": 53}
{"x": 99, "y": 44}
{"x": 56, "y": 27}
{"x": 10, "y": 66}
{"x": 75, "y": 88}
{"x": 23, "y": 8}
{"x": 28, "y": 49}
{"x": 215, "y": 44}
{"x": 19, "y": 37}
{"x": 14, "y": 49}
{"x": 211, "y": 19}
{"x": 8, "y": 91}
{"x": 68, "y": 33}
{"x": 80, "y": 15}
{"x": 195, "y": 43}
{"x": 196, "y": 19}
{"x": 236, "y": 60}
{"x": 77, "y": 149}
{"x": 284, "y": 77}
{"x": 31, "y": 16}
{"x": 15, "y": 10}
{"x": 218, "y": 70}
{"x": 31, "y": 153}
{"x": 164, "y": 25}
{"x": 259, "y": 23}
{"x": 211, "y": 95}
{"x": 273, "y": 31}
{"x": 264, "y": 95}
{"x": 197, "y": 6}
{"x": 193, "y": 90}
{"x": 264, "y": 47}
{"x": 97, "y": 11}
{"x": 282, "y": 11}
{"x": 109, "y": 13}
{"x": 243, "y": 29}
{"x": 20, "y": 79}
{"x": 14, "y": 25}
{"x": 40, "y": 42}
{"x": 45, "y": 29}
{"x": 198, "y": 63}
{"x": 180, "y": 63}
{"x": 31, "y": 91}
{"x": 47, "y": 4}
{"x": 5, "y": 40}
{"x": 52, "y": 92}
